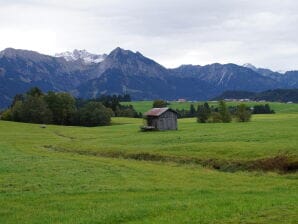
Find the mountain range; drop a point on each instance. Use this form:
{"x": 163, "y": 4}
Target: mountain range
{"x": 89, "y": 75}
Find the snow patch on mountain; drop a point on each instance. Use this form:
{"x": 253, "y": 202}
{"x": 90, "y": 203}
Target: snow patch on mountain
{"x": 85, "y": 56}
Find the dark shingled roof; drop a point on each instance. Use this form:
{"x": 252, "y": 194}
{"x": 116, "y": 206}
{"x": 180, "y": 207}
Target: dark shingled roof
{"x": 156, "y": 112}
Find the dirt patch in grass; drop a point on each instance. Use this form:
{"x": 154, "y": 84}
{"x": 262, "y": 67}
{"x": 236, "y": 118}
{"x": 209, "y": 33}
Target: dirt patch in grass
{"x": 280, "y": 163}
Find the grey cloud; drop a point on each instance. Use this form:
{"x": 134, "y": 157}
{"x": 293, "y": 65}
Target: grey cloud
{"x": 172, "y": 32}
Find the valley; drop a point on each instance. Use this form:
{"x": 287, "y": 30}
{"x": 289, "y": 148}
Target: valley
{"x": 117, "y": 174}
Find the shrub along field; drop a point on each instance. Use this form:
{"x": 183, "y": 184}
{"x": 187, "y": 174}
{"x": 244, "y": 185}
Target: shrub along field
{"x": 202, "y": 173}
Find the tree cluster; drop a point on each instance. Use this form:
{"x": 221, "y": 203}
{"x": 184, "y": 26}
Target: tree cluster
{"x": 114, "y": 103}
{"x": 62, "y": 109}
{"x": 223, "y": 113}
{"x": 262, "y": 109}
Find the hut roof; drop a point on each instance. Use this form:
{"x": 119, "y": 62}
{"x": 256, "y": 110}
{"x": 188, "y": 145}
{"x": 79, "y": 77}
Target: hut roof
{"x": 156, "y": 112}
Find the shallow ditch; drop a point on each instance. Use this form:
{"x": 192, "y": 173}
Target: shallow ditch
{"x": 281, "y": 163}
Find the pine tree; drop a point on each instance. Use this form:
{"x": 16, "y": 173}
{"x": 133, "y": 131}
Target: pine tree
{"x": 203, "y": 113}
{"x": 224, "y": 112}
{"x": 192, "y": 111}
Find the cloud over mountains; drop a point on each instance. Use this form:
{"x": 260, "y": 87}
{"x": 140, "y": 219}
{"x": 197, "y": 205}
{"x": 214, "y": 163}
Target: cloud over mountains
{"x": 173, "y": 32}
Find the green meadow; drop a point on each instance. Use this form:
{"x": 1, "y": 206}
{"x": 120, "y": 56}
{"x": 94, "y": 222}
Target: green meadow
{"x": 143, "y": 106}
{"x": 117, "y": 174}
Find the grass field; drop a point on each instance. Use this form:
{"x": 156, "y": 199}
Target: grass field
{"x": 104, "y": 174}
{"x": 143, "y": 106}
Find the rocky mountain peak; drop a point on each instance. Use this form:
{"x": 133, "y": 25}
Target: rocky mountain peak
{"x": 120, "y": 53}
{"x": 252, "y": 67}
{"x": 122, "y": 56}
{"x": 24, "y": 54}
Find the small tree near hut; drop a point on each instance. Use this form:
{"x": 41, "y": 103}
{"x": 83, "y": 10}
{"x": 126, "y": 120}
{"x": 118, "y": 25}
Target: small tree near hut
{"x": 159, "y": 103}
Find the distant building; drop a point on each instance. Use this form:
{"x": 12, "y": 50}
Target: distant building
{"x": 244, "y": 100}
{"x": 161, "y": 119}
{"x": 181, "y": 100}
{"x": 237, "y": 100}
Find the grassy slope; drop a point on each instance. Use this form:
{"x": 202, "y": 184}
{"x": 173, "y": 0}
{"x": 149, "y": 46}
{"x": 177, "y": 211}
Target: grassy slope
{"x": 143, "y": 106}
{"x": 265, "y": 136}
{"x": 38, "y": 185}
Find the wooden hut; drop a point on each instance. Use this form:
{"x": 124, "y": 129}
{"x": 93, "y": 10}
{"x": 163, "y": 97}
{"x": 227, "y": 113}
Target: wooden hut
{"x": 161, "y": 119}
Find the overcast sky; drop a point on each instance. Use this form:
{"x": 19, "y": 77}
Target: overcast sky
{"x": 172, "y": 32}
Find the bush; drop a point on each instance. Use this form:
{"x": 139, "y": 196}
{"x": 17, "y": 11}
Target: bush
{"x": 127, "y": 112}
{"x": 216, "y": 117}
{"x": 6, "y": 115}
{"x": 243, "y": 114}
{"x": 110, "y": 112}
{"x": 93, "y": 114}
{"x": 159, "y": 103}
